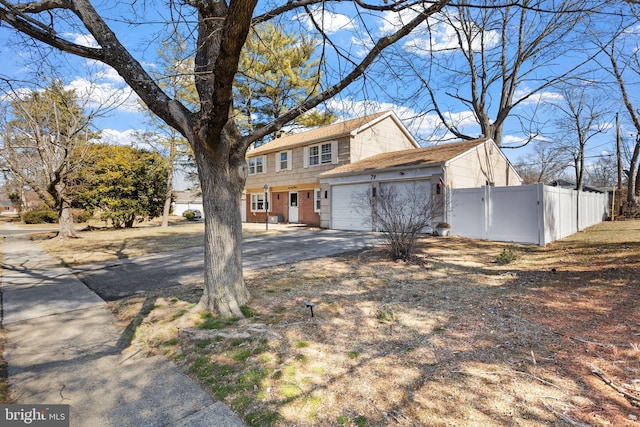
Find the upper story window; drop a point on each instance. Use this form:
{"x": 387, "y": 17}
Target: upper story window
{"x": 321, "y": 154}
{"x": 283, "y": 160}
{"x": 257, "y": 165}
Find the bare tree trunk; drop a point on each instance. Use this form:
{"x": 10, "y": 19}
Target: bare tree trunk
{"x": 631, "y": 181}
{"x": 167, "y": 200}
{"x": 66, "y": 229}
{"x": 222, "y": 180}
{"x": 637, "y": 189}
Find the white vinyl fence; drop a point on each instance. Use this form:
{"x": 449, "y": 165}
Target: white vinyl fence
{"x": 536, "y": 213}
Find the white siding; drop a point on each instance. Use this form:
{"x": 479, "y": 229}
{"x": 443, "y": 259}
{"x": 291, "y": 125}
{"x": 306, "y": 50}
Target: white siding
{"x": 384, "y": 137}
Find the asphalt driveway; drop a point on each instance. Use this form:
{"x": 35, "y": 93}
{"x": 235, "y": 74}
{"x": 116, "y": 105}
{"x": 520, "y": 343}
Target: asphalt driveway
{"x": 122, "y": 278}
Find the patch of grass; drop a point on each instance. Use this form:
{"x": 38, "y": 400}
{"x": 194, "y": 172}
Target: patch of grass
{"x": 240, "y": 403}
{"x": 361, "y": 421}
{"x": 301, "y": 358}
{"x": 302, "y": 344}
{"x": 242, "y": 354}
{"x": 253, "y": 378}
{"x": 290, "y": 371}
{"x": 171, "y": 342}
{"x": 209, "y": 321}
{"x": 177, "y": 314}
{"x": 289, "y": 391}
{"x": 203, "y": 343}
{"x": 203, "y": 367}
{"x": 313, "y": 403}
{"x": 247, "y": 312}
{"x": 262, "y": 418}
{"x": 236, "y": 342}
{"x": 353, "y": 354}
{"x": 343, "y": 420}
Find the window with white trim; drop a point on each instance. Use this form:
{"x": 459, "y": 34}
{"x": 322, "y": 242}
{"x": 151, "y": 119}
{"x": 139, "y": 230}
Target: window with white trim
{"x": 321, "y": 154}
{"x": 283, "y": 160}
{"x": 257, "y": 165}
{"x": 317, "y": 198}
{"x": 257, "y": 202}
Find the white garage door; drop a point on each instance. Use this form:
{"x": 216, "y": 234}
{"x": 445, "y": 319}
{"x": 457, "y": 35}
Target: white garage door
{"x": 409, "y": 192}
{"x": 411, "y": 200}
{"x": 346, "y": 212}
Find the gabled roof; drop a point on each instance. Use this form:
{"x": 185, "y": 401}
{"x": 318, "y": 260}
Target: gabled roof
{"x": 420, "y": 157}
{"x": 187, "y": 196}
{"x": 325, "y": 133}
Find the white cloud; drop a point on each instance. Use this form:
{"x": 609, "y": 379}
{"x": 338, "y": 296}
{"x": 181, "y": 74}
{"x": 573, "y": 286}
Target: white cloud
{"x": 392, "y": 21}
{"x": 536, "y": 98}
{"x": 331, "y": 22}
{"x": 437, "y": 35}
{"x": 81, "y": 39}
{"x": 106, "y": 91}
{"x": 425, "y": 128}
{"x": 116, "y": 137}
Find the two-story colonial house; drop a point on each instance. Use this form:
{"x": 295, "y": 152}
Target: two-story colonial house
{"x": 286, "y": 170}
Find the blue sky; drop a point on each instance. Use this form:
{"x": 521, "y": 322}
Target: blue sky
{"x": 124, "y": 117}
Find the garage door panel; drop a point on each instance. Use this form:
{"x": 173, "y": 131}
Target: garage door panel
{"x": 410, "y": 200}
{"x": 346, "y": 212}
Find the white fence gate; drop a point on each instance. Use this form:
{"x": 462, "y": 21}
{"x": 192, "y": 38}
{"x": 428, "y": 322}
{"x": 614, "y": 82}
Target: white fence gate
{"x": 535, "y": 213}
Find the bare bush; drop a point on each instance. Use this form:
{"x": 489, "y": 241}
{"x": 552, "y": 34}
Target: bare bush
{"x": 402, "y": 212}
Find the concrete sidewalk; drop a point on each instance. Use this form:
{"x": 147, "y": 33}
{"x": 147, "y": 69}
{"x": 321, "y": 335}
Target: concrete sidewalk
{"x": 62, "y": 349}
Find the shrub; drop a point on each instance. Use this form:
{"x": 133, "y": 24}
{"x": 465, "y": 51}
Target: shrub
{"x": 40, "y": 217}
{"x": 189, "y": 215}
{"x": 81, "y": 215}
{"x": 507, "y": 256}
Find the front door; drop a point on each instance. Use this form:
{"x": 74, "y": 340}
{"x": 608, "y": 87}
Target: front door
{"x": 293, "y": 207}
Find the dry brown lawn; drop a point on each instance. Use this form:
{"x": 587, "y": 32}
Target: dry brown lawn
{"x": 452, "y": 339}
{"x": 98, "y": 243}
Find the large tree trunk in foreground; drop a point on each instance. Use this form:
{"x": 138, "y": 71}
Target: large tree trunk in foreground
{"x": 222, "y": 180}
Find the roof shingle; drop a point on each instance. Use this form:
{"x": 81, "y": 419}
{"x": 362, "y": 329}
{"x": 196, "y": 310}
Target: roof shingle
{"x": 322, "y": 133}
{"x": 415, "y": 157}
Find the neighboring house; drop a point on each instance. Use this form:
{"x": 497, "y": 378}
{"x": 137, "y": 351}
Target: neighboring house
{"x": 7, "y": 208}
{"x": 186, "y": 199}
{"x": 430, "y": 171}
{"x": 572, "y": 186}
{"x": 286, "y": 170}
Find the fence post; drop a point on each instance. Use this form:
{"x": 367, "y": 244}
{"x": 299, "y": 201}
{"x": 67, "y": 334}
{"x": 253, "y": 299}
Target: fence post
{"x": 542, "y": 219}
